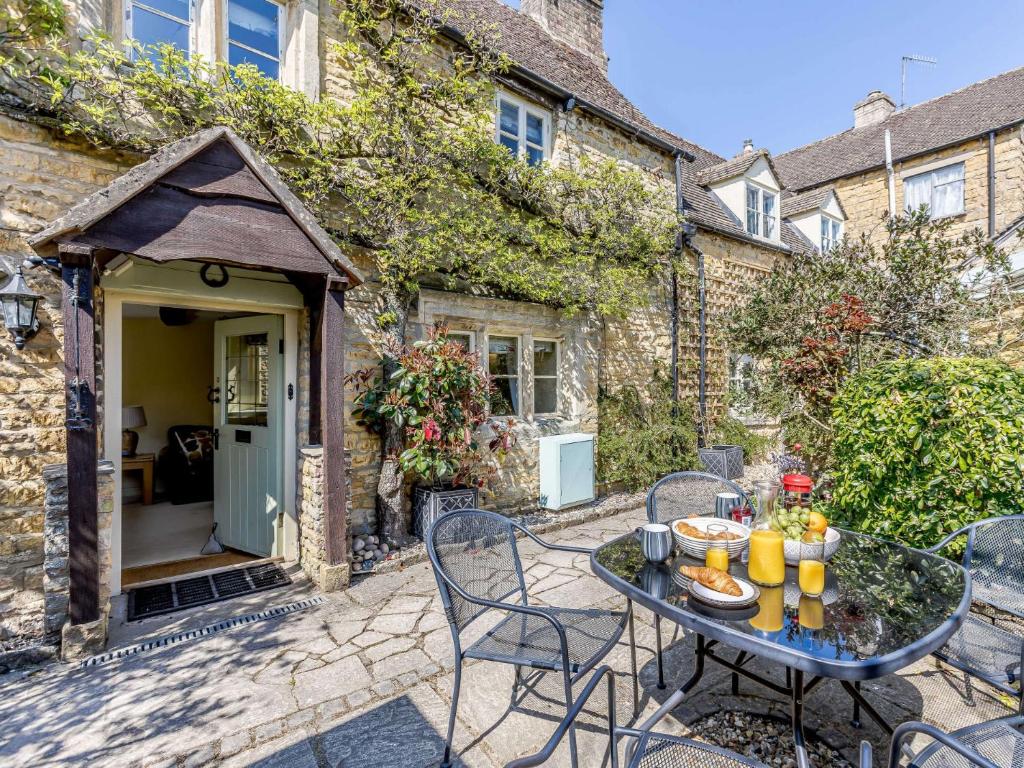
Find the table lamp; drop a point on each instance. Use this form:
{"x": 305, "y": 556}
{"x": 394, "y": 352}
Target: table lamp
{"x": 131, "y": 416}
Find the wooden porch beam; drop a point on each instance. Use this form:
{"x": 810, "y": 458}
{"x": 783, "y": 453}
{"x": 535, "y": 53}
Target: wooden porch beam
{"x": 332, "y": 419}
{"x": 80, "y": 421}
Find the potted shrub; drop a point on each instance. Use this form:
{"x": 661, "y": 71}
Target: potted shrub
{"x": 438, "y": 394}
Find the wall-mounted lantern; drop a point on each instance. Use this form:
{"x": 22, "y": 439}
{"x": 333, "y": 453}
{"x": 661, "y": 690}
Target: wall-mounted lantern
{"x": 19, "y": 308}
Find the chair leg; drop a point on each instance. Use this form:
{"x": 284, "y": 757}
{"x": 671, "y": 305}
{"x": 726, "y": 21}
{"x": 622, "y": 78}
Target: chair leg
{"x": 855, "y": 722}
{"x": 661, "y": 663}
{"x": 446, "y": 763}
{"x": 573, "y": 759}
{"x": 632, "y": 656}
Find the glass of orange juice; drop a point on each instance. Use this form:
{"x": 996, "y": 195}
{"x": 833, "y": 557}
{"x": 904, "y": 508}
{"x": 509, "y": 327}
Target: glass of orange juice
{"x": 767, "y": 559}
{"x": 812, "y": 568}
{"x": 717, "y": 555}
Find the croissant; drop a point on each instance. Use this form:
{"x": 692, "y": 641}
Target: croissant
{"x": 712, "y": 578}
{"x": 693, "y": 532}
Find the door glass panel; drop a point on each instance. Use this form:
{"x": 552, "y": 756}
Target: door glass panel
{"x": 247, "y": 374}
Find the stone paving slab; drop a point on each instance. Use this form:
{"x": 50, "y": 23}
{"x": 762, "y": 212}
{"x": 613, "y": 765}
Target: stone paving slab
{"x": 365, "y": 679}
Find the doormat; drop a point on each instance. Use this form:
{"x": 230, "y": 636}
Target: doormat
{"x": 178, "y": 595}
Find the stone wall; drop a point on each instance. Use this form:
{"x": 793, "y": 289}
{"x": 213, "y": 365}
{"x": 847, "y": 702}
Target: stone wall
{"x": 865, "y": 197}
{"x": 56, "y": 580}
{"x": 312, "y": 543}
{"x": 41, "y": 176}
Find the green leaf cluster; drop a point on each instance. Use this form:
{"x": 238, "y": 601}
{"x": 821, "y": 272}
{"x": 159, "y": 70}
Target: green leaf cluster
{"x": 925, "y": 446}
{"x": 644, "y": 435}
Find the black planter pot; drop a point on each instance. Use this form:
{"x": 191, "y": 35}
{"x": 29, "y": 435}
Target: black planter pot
{"x": 428, "y": 504}
{"x": 722, "y": 460}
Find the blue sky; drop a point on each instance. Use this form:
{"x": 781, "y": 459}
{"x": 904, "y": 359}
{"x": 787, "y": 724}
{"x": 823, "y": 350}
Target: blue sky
{"x": 785, "y": 74}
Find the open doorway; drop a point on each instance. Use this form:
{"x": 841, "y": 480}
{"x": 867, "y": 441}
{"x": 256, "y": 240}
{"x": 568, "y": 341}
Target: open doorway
{"x": 201, "y": 414}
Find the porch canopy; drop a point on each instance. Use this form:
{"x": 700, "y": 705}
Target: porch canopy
{"x": 205, "y": 198}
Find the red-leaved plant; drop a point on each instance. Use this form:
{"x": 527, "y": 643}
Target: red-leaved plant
{"x": 438, "y": 395}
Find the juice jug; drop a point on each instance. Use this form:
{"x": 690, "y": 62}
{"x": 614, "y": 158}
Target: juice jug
{"x": 766, "y": 562}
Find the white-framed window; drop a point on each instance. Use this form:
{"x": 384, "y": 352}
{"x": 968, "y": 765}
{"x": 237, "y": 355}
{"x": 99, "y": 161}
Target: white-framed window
{"x": 761, "y": 216}
{"x": 255, "y": 35}
{"x": 503, "y": 365}
{"x": 942, "y": 190}
{"x": 465, "y": 338}
{"x": 831, "y": 230}
{"x": 523, "y": 129}
{"x": 154, "y": 22}
{"x": 545, "y": 377}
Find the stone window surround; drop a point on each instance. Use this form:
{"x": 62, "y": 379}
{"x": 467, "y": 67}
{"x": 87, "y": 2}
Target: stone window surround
{"x": 483, "y": 317}
{"x": 524, "y": 108}
{"x": 300, "y": 58}
{"x": 936, "y": 165}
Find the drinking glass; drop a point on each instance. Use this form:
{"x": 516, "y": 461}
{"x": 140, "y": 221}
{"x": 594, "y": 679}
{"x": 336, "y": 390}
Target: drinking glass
{"x": 812, "y": 568}
{"x": 717, "y": 555}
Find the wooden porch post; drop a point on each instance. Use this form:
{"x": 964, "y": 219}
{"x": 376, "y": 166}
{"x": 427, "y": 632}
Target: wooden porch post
{"x": 80, "y": 421}
{"x": 332, "y": 419}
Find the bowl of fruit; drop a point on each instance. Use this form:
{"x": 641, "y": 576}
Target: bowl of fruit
{"x": 799, "y": 524}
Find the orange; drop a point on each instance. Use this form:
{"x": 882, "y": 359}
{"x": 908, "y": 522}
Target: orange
{"x": 817, "y": 522}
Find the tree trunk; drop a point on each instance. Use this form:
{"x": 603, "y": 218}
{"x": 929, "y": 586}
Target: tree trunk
{"x": 392, "y": 518}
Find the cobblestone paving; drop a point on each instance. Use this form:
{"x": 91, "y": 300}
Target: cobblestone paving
{"x": 365, "y": 678}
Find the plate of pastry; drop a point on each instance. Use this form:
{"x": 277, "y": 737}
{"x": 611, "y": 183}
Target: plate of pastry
{"x": 718, "y": 588}
{"x": 692, "y": 534}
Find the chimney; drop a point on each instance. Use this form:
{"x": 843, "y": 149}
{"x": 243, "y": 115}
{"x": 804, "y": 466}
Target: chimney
{"x": 748, "y": 147}
{"x": 876, "y": 107}
{"x": 577, "y": 23}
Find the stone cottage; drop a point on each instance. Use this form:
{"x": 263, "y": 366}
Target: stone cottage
{"x": 196, "y": 322}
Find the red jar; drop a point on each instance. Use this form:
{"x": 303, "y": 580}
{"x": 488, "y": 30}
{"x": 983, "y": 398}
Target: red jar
{"x": 796, "y": 491}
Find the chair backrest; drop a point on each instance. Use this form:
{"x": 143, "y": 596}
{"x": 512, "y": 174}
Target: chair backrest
{"x": 475, "y": 551}
{"x": 995, "y": 559}
{"x": 685, "y": 494}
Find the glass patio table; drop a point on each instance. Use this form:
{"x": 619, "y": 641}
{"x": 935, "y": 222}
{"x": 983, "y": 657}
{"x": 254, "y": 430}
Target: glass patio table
{"x": 884, "y": 606}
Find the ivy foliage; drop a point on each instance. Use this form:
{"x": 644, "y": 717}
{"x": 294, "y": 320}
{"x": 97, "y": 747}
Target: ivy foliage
{"x": 925, "y": 446}
{"x": 397, "y": 161}
{"x": 644, "y": 435}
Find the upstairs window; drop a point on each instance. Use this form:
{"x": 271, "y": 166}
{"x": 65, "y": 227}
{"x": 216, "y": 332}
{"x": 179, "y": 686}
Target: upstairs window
{"x": 522, "y": 129}
{"x": 761, "y": 217}
{"x": 157, "y": 22}
{"x": 830, "y": 232}
{"x": 254, "y": 35}
{"x": 942, "y": 190}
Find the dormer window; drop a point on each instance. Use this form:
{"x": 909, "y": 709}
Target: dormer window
{"x": 761, "y": 213}
{"x": 523, "y": 129}
{"x": 831, "y": 232}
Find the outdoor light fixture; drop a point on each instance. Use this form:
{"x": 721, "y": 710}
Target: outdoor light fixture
{"x": 19, "y": 308}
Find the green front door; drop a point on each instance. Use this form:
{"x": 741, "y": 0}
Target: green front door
{"x": 248, "y": 415}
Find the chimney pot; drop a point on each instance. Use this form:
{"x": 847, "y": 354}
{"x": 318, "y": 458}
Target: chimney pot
{"x": 748, "y": 146}
{"x": 873, "y": 109}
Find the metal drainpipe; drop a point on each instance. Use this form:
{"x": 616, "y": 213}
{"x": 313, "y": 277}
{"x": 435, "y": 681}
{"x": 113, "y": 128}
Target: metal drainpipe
{"x": 991, "y": 184}
{"x": 674, "y": 310}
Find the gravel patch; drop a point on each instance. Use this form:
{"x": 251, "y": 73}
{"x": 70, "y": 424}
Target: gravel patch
{"x": 762, "y": 738}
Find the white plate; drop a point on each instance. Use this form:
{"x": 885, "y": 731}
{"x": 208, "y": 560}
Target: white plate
{"x": 720, "y": 599}
{"x": 698, "y": 547}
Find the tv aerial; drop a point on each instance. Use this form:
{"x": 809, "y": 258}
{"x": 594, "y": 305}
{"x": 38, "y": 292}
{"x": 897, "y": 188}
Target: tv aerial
{"x": 915, "y": 59}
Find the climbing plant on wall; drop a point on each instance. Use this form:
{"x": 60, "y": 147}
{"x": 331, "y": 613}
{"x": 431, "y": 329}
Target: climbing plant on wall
{"x": 400, "y": 167}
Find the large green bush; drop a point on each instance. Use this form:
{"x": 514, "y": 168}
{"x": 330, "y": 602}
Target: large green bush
{"x": 642, "y": 437}
{"x": 925, "y": 446}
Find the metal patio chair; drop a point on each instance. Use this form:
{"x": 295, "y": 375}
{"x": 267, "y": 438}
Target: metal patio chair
{"x": 995, "y": 744}
{"x": 995, "y": 559}
{"x": 685, "y": 494}
{"x": 477, "y": 567}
